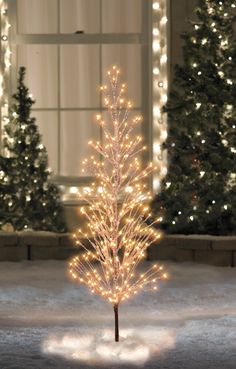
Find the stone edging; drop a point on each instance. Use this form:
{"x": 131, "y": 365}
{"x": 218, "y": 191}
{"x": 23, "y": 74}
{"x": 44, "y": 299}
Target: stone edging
{"x": 36, "y": 245}
{"x": 205, "y": 249}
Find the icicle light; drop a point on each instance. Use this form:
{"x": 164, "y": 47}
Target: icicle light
{"x": 160, "y": 88}
{"x": 5, "y": 61}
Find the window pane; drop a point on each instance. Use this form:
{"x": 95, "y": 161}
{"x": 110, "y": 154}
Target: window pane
{"x": 128, "y": 58}
{"x": 121, "y": 16}
{"x": 37, "y": 16}
{"x": 79, "y": 76}
{"x": 48, "y": 127}
{"x": 41, "y": 73}
{"x": 77, "y": 128}
{"x": 80, "y": 15}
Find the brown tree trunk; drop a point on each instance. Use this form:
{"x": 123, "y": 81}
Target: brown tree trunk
{"x": 116, "y": 323}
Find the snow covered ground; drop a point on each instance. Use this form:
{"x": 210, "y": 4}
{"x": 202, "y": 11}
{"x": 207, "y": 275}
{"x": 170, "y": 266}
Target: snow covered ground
{"x": 48, "y": 322}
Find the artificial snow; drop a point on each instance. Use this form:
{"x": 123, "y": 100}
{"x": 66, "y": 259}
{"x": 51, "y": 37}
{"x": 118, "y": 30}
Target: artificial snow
{"x": 49, "y": 322}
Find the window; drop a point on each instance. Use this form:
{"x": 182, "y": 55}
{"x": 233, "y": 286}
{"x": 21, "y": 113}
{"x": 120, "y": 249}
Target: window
{"x": 66, "y": 47}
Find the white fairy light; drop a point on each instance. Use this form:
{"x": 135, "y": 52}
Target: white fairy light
{"x": 129, "y": 189}
{"x": 156, "y": 148}
{"x": 156, "y": 46}
{"x": 164, "y": 135}
{"x": 157, "y": 111}
{"x": 156, "y": 71}
{"x": 155, "y": 32}
{"x": 163, "y": 171}
{"x": 164, "y": 58}
{"x": 164, "y": 20}
{"x": 164, "y": 98}
{"x": 73, "y": 190}
{"x": 156, "y": 5}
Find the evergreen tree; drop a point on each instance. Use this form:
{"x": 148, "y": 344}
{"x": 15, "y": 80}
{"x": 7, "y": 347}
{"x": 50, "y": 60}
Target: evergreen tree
{"x": 37, "y": 202}
{"x": 199, "y": 193}
{"x": 7, "y": 192}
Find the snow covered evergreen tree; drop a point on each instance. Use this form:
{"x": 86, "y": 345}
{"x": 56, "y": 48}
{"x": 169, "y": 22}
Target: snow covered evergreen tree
{"x": 36, "y": 200}
{"x": 199, "y": 193}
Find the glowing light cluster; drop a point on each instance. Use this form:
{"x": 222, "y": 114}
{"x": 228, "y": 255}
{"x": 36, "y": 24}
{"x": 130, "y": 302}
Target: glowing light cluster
{"x": 120, "y": 227}
{"x": 5, "y": 61}
{"x": 160, "y": 88}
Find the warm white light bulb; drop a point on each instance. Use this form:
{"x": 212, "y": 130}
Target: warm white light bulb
{"x": 155, "y": 32}
{"x": 156, "y": 5}
{"x": 156, "y": 46}
{"x": 156, "y": 71}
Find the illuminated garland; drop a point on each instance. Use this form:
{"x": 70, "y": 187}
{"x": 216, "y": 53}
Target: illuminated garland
{"x": 160, "y": 88}
{"x": 5, "y": 61}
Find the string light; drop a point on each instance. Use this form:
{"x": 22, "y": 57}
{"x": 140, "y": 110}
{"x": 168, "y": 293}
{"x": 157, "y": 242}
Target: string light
{"x": 74, "y": 190}
{"x": 160, "y": 89}
{"x": 6, "y": 62}
{"x": 119, "y": 221}
{"x": 202, "y": 173}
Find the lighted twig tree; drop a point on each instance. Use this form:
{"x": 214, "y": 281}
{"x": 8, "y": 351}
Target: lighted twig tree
{"x": 118, "y": 217}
